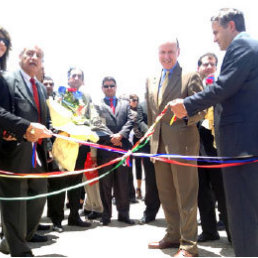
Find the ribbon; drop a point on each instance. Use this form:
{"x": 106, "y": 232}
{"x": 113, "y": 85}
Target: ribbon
{"x": 143, "y": 141}
{"x": 34, "y": 155}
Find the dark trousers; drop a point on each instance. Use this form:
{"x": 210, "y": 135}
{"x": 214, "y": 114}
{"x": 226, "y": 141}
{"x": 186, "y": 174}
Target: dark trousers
{"x": 56, "y": 202}
{"x": 151, "y": 198}
{"x": 241, "y": 189}
{"x": 138, "y": 168}
{"x": 211, "y": 189}
{"x": 116, "y": 180}
{"x": 131, "y": 187}
{"x": 21, "y": 218}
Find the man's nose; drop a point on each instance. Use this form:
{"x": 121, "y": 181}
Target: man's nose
{"x": 34, "y": 56}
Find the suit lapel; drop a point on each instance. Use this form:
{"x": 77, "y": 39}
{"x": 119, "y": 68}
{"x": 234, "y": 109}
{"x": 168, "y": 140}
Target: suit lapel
{"x": 155, "y": 88}
{"x": 118, "y": 107}
{"x": 23, "y": 89}
{"x": 174, "y": 86}
{"x": 108, "y": 108}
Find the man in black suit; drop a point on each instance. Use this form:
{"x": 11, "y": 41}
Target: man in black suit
{"x": 116, "y": 115}
{"x": 235, "y": 95}
{"x": 210, "y": 179}
{"x": 27, "y": 101}
{"x": 151, "y": 198}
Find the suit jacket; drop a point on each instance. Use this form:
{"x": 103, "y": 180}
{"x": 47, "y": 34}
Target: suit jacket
{"x": 94, "y": 120}
{"x": 235, "y": 94}
{"x": 18, "y": 155}
{"x": 121, "y": 122}
{"x": 8, "y": 121}
{"x": 142, "y": 120}
{"x": 182, "y": 137}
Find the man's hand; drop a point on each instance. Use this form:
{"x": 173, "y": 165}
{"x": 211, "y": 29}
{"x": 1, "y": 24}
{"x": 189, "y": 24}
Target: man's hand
{"x": 36, "y": 131}
{"x": 116, "y": 139}
{"x": 9, "y": 138}
{"x": 178, "y": 108}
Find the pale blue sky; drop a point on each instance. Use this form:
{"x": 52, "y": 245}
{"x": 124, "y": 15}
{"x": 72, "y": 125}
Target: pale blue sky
{"x": 115, "y": 37}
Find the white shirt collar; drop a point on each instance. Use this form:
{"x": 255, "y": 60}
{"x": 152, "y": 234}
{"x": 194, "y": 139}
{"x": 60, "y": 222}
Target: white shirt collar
{"x": 26, "y": 78}
{"x": 241, "y": 34}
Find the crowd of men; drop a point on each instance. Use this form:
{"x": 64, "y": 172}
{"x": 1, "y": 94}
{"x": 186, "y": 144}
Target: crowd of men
{"x": 197, "y": 99}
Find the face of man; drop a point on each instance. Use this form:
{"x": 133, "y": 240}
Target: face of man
{"x": 76, "y": 79}
{"x": 109, "y": 89}
{"x": 168, "y": 54}
{"x": 49, "y": 84}
{"x": 207, "y": 67}
{"x": 134, "y": 102}
{"x": 3, "y": 46}
{"x": 31, "y": 60}
{"x": 223, "y": 35}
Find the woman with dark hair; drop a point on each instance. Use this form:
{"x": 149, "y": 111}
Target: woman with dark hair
{"x": 5, "y": 46}
{"x": 8, "y": 120}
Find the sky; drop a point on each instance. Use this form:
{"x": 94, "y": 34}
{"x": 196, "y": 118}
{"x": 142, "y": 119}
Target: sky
{"x": 115, "y": 37}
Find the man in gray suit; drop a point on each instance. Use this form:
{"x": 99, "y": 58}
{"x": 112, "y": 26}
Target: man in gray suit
{"x": 234, "y": 96}
{"x": 28, "y": 97}
{"x": 116, "y": 115}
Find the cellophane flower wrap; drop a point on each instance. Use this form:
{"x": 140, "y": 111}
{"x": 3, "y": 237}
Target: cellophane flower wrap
{"x": 67, "y": 115}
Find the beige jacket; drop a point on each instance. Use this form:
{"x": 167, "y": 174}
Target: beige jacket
{"x": 182, "y": 137}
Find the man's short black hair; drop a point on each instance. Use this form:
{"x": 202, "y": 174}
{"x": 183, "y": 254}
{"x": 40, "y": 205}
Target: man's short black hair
{"x": 108, "y": 78}
{"x": 209, "y": 54}
{"x": 75, "y": 68}
{"x": 225, "y": 15}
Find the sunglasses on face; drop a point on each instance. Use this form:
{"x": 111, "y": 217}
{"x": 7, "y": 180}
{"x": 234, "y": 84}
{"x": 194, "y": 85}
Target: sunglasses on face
{"x": 109, "y": 86}
{"x": 134, "y": 100}
{"x": 5, "y": 41}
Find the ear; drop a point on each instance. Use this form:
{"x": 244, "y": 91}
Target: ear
{"x": 178, "y": 52}
{"x": 232, "y": 25}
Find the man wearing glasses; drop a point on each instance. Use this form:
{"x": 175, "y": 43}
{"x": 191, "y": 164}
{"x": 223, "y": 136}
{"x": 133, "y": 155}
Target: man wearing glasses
{"x": 210, "y": 180}
{"x": 115, "y": 113}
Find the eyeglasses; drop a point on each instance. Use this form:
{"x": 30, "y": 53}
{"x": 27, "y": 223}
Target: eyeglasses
{"x": 134, "y": 100}
{"x": 5, "y": 41}
{"x": 109, "y": 86}
{"x": 48, "y": 83}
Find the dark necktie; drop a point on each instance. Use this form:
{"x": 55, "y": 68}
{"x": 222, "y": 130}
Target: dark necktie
{"x": 36, "y": 96}
{"x": 112, "y": 105}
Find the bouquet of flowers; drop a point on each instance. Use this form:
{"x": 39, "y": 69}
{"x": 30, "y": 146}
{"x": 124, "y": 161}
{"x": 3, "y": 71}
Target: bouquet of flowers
{"x": 67, "y": 115}
{"x": 71, "y": 99}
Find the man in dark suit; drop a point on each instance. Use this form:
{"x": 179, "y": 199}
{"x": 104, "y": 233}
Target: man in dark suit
{"x": 210, "y": 179}
{"x": 21, "y": 218}
{"x": 56, "y": 203}
{"x": 151, "y": 198}
{"x": 234, "y": 95}
{"x": 116, "y": 115}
